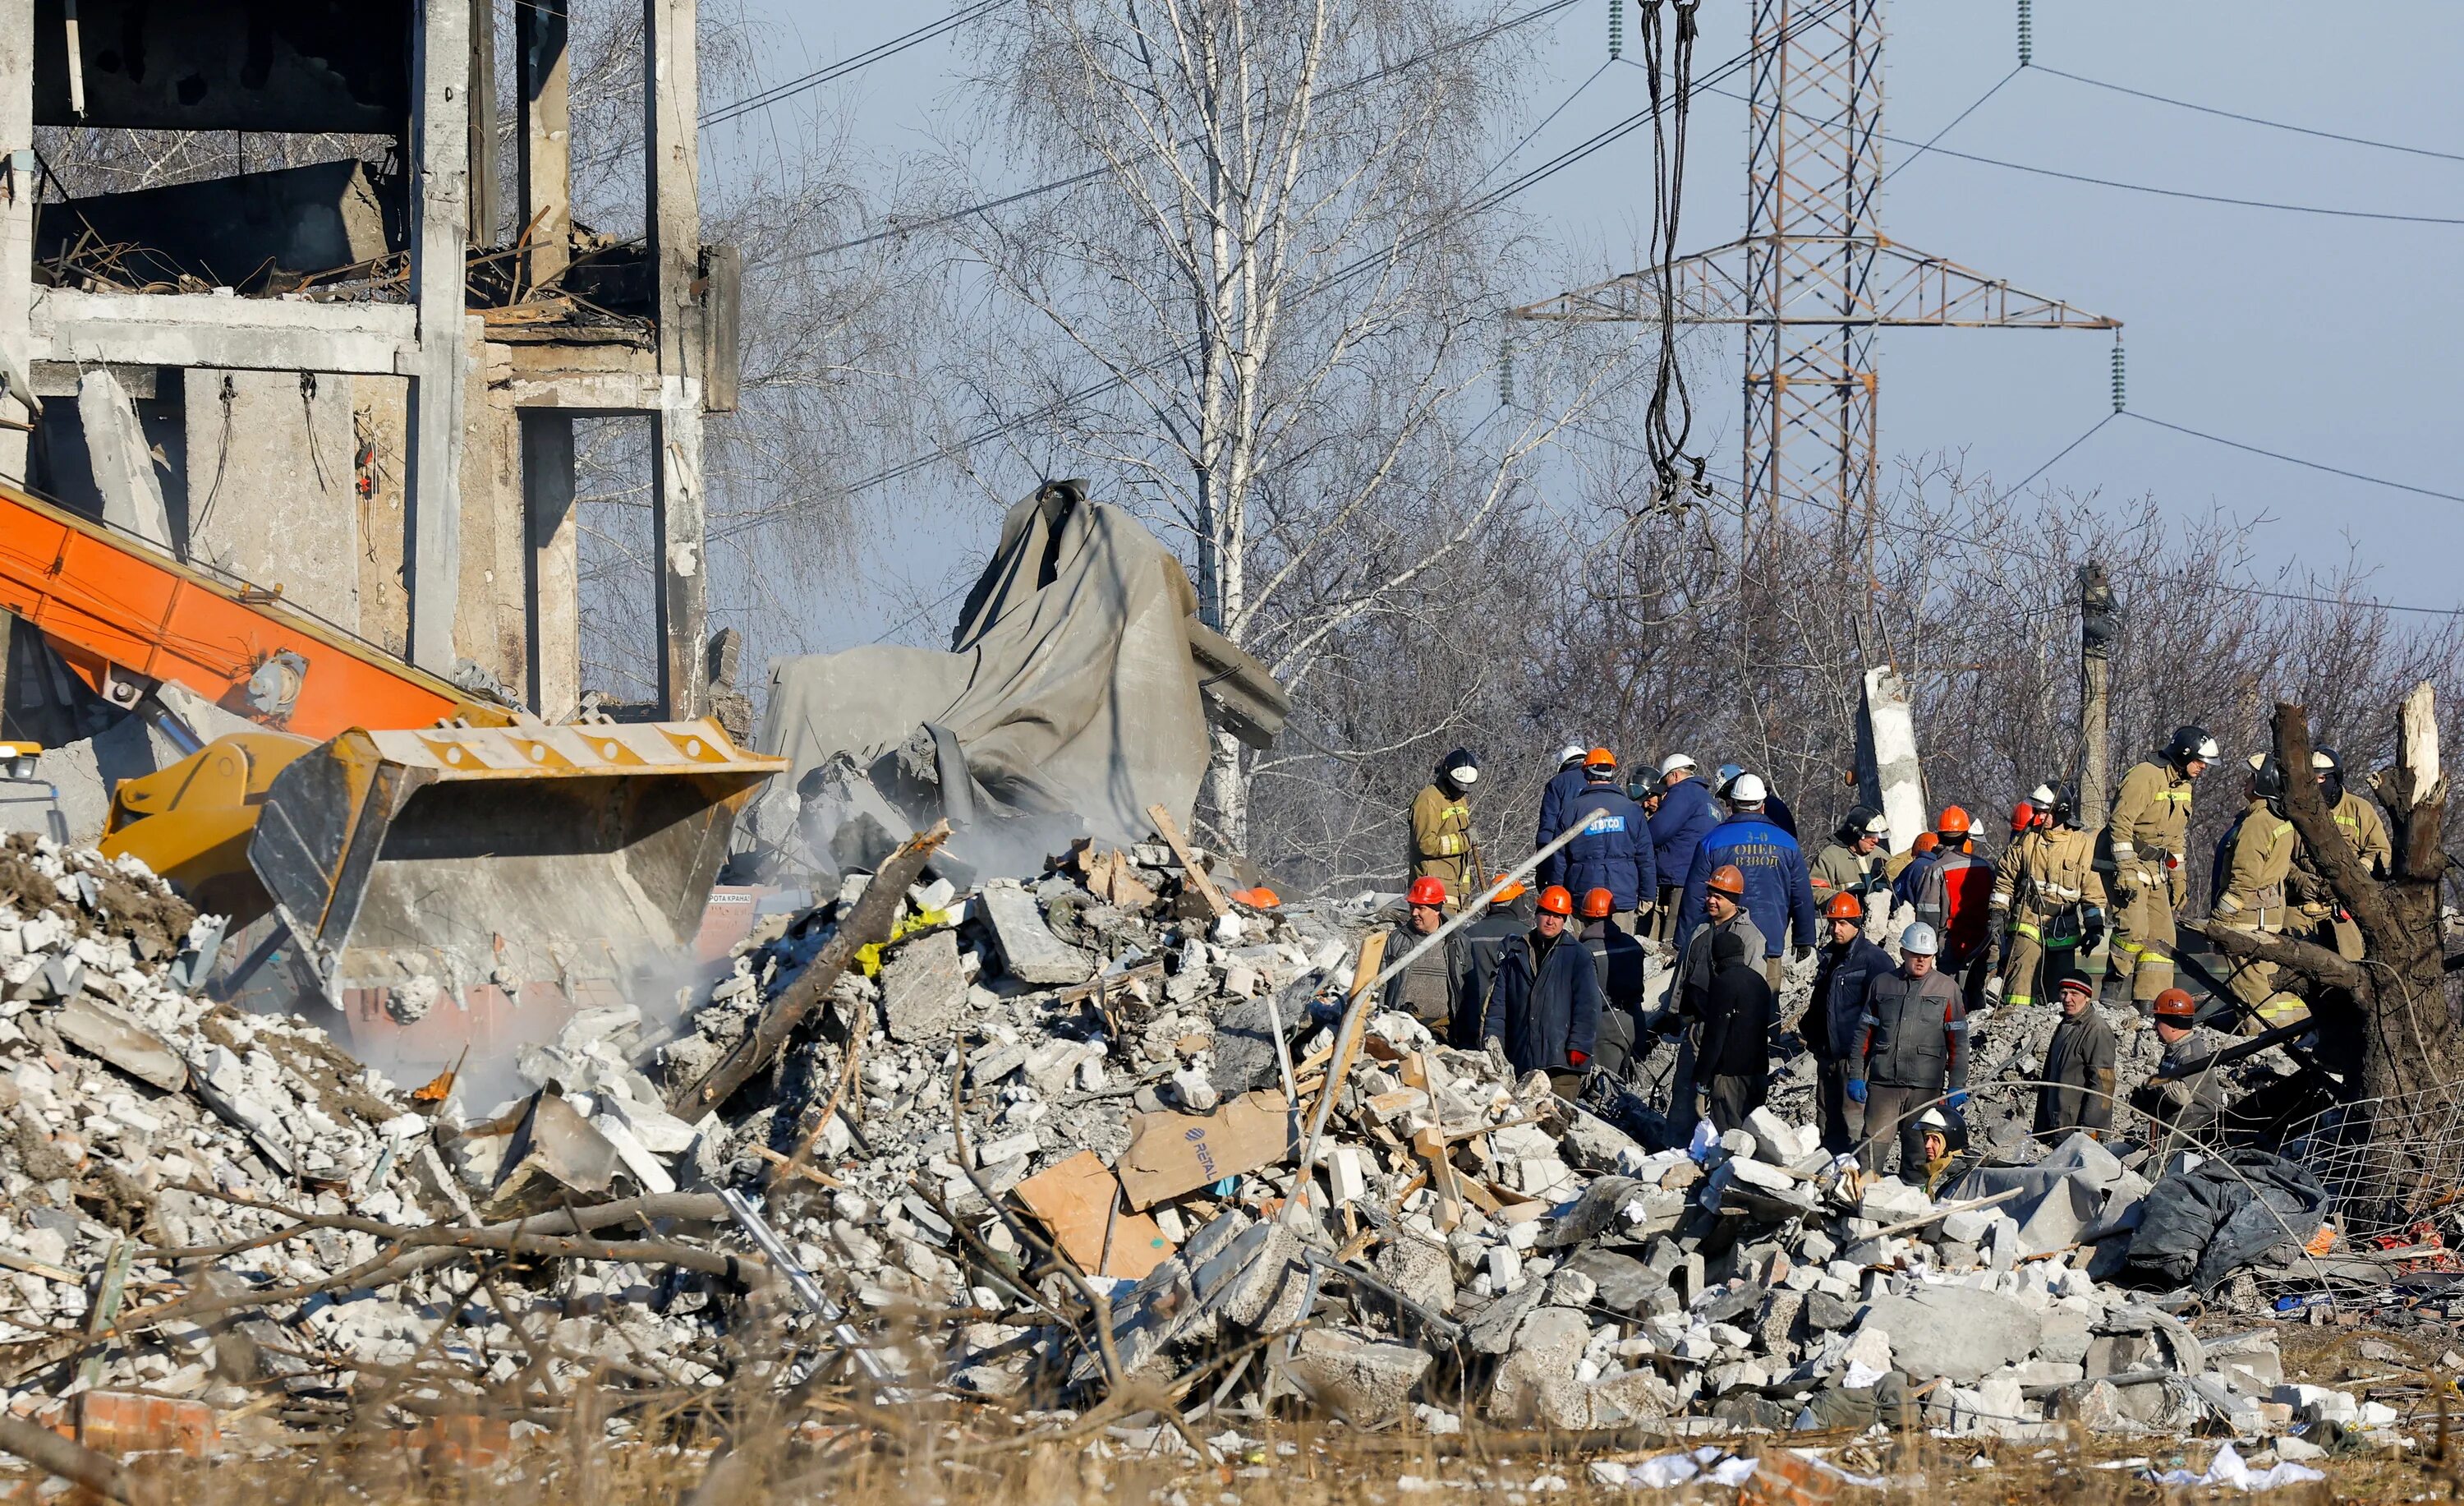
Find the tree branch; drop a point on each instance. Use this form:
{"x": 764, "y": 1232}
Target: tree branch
{"x": 2305, "y": 958}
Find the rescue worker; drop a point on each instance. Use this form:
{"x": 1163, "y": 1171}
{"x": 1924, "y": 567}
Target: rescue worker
{"x": 1850, "y": 964}
{"x": 1775, "y": 808}
{"x": 1544, "y": 1008}
{"x": 1910, "y": 1053}
{"x": 1778, "y": 892}
{"x": 1430, "y": 989}
{"x": 2144, "y": 838}
{"x": 1684, "y": 818}
{"x": 1955, "y": 898}
{"x": 1483, "y": 940}
{"x": 1567, "y": 781}
{"x": 1732, "y": 1064}
{"x": 2049, "y": 898}
{"x": 2075, "y": 1091}
{"x": 1851, "y": 862}
{"x": 1908, "y": 870}
{"x": 1443, "y": 847}
{"x": 2365, "y": 833}
{"x": 2185, "y": 1100}
{"x": 1620, "y": 960}
{"x": 2254, "y": 896}
{"x": 1944, "y": 1165}
{"x": 1690, "y": 988}
{"x": 1613, "y": 851}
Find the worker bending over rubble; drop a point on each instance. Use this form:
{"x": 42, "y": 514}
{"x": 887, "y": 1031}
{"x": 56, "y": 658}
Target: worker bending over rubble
{"x": 1544, "y": 1008}
{"x": 2185, "y": 1100}
{"x": 2049, "y": 897}
{"x": 2076, "y": 1087}
{"x": 2253, "y": 870}
{"x": 2323, "y": 918}
{"x": 1911, "y": 1050}
{"x": 2145, "y": 835}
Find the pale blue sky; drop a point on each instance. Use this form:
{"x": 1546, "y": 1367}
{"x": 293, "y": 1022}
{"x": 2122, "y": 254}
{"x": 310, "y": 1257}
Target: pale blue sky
{"x": 2328, "y": 337}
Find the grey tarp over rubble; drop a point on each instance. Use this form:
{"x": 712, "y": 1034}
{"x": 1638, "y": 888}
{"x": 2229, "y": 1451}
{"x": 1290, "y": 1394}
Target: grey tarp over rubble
{"x": 1078, "y": 686}
{"x": 2209, "y": 1217}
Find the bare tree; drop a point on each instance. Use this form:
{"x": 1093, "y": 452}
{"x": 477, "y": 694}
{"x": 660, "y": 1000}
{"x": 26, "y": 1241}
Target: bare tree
{"x": 1275, "y": 259}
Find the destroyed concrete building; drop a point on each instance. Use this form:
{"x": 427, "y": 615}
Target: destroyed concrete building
{"x": 356, "y": 382}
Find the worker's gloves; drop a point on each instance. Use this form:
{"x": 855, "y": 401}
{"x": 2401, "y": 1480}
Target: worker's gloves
{"x": 2091, "y": 928}
{"x": 1956, "y": 1100}
{"x": 1800, "y": 954}
{"x": 1856, "y": 1090}
{"x": 1578, "y": 1058}
{"x": 2227, "y": 904}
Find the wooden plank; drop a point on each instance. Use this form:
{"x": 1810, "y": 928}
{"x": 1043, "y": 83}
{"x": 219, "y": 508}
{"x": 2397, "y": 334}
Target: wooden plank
{"x": 1192, "y": 873}
{"x": 1364, "y": 972}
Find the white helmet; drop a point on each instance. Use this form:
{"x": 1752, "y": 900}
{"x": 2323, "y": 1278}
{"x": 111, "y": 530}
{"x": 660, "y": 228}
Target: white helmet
{"x": 1673, "y": 763}
{"x": 1931, "y": 1119}
{"x": 1919, "y": 941}
{"x": 1747, "y": 789}
{"x": 2041, "y": 797}
{"x": 1572, "y": 753}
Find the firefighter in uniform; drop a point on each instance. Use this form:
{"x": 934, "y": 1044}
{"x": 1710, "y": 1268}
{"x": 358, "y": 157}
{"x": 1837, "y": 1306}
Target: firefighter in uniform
{"x": 2254, "y": 895}
{"x": 2050, "y": 898}
{"x": 1441, "y": 840}
{"x": 2365, "y": 832}
{"x": 2151, "y": 820}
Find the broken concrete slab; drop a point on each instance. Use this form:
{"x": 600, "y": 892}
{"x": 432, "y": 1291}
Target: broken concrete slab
{"x": 98, "y": 1029}
{"x": 1361, "y": 1379}
{"x": 923, "y": 989}
{"x": 1029, "y": 950}
{"x": 1955, "y": 1333}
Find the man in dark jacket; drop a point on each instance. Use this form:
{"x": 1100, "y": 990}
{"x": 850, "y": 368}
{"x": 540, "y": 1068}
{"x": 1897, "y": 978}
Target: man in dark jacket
{"x": 2185, "y": 1100}
{"x": 1544, "y": 1009}
{"x": 1621, "y": 961}
{"x": 2077, "y": 1092}
{"x": 1911, "y": 1046}
{"x": 1563, "y": 786}
{"x": 1483, "y": 942}
{"x": 1613, "y": 851}
{"x": 1733, "y": 1063}
{"x": 1431, "y": 990}
{"x": 1778, "y": 891}
{"x": 1850, "y": 964}
{"x": 1686, "y": 816}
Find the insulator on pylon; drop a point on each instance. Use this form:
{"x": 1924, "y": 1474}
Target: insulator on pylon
{"x": 1617, "y": 28}
{"x": 2117, "y": 373}
{"x": 2026, "y": 35}
{"x": 1506, "y": 368}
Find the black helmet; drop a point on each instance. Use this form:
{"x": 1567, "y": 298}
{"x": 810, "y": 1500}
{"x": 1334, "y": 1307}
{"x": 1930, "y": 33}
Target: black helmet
{"x": 2065, "y": 807}
{"x": 1459, "y": 768}
{"x": 2329, "y": 766}
{"x": 1861, "y": 822}
{"x": 2267, "y": 780}
{"x": 2191, "y": 742}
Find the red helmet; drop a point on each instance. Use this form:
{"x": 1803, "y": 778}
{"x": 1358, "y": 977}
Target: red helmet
{"x": 1597, "y": 903}
{"x": 1845, "y": 906}
{"x": 1728, "y": 879}
{"x": 1556, "y": 901}
{"x": 2174, "y": 1004}
{"x": 1426, "y": 891}
{"x": 2023, "y": 815}
{"x": 1954, "y": 822}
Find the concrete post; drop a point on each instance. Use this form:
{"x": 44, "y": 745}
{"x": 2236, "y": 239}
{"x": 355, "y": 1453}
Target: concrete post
{"x": 2098, "y": 622}
{"x": 439, "y": 216}
{"x": 554, "y": 588}
{"x": 673, "y": 192}
{"x": 16, "y": 224}
{"x": 482, "y": 112}
{"x": 123, "y": 464}
{"x": 541, "y": 60}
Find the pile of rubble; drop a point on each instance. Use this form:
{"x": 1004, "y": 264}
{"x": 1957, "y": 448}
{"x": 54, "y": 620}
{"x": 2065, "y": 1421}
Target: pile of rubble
{"x": 1042, "y": 1141}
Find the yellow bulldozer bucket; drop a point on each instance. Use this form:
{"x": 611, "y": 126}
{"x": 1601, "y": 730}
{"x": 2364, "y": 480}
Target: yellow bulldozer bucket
{"x": 456, "y": 856}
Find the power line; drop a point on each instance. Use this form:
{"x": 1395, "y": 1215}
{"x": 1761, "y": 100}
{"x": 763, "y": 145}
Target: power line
{"x": 893, "y": 230}
{"x": 2291, "y": 460}
{"x": 737, "y": 109}
{"x": 1955, "y": 122}
{"x": 2250, "y": 119}
{"x": 2110, "y": 415}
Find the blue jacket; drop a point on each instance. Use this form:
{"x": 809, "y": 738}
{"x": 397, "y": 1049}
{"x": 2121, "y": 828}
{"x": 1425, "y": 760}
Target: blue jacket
{"x": 1904, "y": 889}
{"x": 1684, "y": 818}
{"x": 1614, "y": 853}
{"x": 1563, "y": 786}
{"x": 1549, "y": 1014}
{"x": 1777, "y": 887}
{"x": 1832, "y": 1016}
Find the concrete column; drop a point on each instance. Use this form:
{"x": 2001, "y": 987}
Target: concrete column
{"x": 673, "y": 194}
{"x": 16, "y": 225}
{"x": 439, "y": 216}
{"x": 123, "y": 468}
{"x": 541, "y": 61}
{"x": 552, "y": 588}
{"x": 482, "y": 150}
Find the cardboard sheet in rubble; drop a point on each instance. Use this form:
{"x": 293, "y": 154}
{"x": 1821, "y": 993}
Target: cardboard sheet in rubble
{"x": 1171, "y": 1154}
{"x": 1079, "y": 681}
{"x": 1080, "y": 1201}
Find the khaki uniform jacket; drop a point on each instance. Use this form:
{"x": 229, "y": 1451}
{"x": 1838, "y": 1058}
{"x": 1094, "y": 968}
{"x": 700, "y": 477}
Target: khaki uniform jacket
{"x": 2358, "y": 817}
{"x": 2152, "y": 818}
{"x": 1441, "y": 839}
{"x": 1835, "y": 869}
{"x": 2261, "y": 861}
{"x": 2045, "y": 874}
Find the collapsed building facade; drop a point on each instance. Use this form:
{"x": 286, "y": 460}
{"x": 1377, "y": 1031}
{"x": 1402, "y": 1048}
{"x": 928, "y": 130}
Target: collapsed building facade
{"x": 356, "y": 382}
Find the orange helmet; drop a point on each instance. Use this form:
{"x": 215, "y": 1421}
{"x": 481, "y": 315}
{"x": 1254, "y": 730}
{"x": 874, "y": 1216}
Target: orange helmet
{"x": 1845, "y": 906}
{"x": 1426, "y": 891}
{"x": 2023, "y": 815}
{"x": 1597, "y": 903}
{"x": 1954, "y": 822}
{"x": 1556, "y": 901}
{"x": 1263, "y": 897}
{"x": 2174, "y": 1004}
{"x": 1599, "y": 758}
{"x": 1925, "y": 842}
{"x": 1729, "y": 880}
{"x": 1507, "y": 891}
